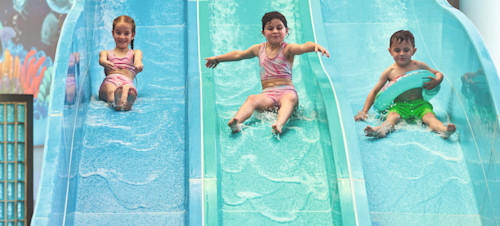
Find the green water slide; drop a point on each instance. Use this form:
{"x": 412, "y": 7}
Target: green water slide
{"x": 308, "y": 175}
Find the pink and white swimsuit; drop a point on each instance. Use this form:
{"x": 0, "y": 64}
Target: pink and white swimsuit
{"x": 126, "y": 62}
{"x": 277, "y": 67}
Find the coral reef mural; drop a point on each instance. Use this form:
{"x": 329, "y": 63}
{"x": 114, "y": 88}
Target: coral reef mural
{"x": 29, "y": 31}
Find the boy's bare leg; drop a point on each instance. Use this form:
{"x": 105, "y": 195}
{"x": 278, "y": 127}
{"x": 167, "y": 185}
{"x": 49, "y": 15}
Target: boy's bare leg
{"x": 437, "y": 126}
{"x": 287, "y": 104}
{"x": 385, "y": 127}
{"x": 253, "y": 102}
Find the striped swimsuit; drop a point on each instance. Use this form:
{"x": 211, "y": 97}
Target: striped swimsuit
{"x": 277, "y": 67}
{"x": 126, "y": 62}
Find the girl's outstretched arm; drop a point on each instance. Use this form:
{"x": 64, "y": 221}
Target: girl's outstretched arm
{"x": 297, "y": 49}
{"x": 236, "y": 55}
{"x": 138, "y": 60}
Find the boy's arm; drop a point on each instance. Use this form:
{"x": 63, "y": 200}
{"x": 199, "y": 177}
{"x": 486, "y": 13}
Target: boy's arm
{"x": 362, "y": 115}
{"x": 235, "y": 55}
{"x": 298, "y": 49}
{"x": 138, "y": 60}
{"x": 433, "y": 81}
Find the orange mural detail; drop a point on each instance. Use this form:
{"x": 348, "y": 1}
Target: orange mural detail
{"x": 29, "y": 75}
{"x": 7, "y": 68}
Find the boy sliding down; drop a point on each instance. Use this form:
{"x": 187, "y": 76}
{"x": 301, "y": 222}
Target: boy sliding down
{"x": 409, "y": 104}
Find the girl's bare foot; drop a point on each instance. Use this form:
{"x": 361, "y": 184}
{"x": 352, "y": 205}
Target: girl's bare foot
{"x": 277, "y": 129}
{"x": 130, "y": 100}
{"x": 234, "y": 124}
{"x": 450, "y": 129}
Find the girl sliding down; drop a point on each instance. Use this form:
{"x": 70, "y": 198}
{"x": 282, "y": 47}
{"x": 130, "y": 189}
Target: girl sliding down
{"x": 276, "y": 61}
{"x": 121, "y": 64}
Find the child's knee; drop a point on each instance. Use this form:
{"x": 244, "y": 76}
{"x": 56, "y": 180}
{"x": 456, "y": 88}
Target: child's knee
{"x": 110, "y": 93}
{"x": 291, "y": 97}
{"x": 431, "y": 119}
{"x": 429, "y": 114}
{"x": 125, "y": 89}
{"x": 253, "y": 99}
{"x": 393, "y": 116}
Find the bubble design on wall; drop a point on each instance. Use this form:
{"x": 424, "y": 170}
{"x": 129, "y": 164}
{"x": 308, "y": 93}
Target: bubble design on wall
{"x": 60, "y": 6}
{"x": 50, "y": 29}
{"x": 19, "y": 5}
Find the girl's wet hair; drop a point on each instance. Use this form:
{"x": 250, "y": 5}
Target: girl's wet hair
{"x": 273, "y": 15}
{"x": 125, "y": 19}
{"x": 402, "y": 36}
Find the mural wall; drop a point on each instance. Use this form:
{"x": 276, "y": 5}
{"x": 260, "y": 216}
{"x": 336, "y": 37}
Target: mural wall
{"x": 29, "y": 31}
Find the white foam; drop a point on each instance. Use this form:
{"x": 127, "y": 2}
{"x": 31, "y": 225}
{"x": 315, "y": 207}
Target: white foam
{"x": 112, "y": 175}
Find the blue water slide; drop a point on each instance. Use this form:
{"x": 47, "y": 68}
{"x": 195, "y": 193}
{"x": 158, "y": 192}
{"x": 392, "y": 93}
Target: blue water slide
{"x": 142, "y": 167}
{"x": 413, "y": 177}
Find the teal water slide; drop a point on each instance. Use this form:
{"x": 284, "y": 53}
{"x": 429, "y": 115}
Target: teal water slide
{"x": 300, "y": 177}
{"x": 172, "y": 160}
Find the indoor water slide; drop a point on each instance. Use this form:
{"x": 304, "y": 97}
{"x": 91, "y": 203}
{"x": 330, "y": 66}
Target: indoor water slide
{"x": 104, "y": 167}
{"x": 145, "y": 166}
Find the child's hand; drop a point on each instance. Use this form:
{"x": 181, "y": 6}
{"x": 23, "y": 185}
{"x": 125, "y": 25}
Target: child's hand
{"x": 432, "y": 83}
{"x": 108, "y": 65}
{"x": 212, "y": 62}
{"x": 138, "y": 67}
{"x": 319, "y": 48}
{"x": 361, "y": 116}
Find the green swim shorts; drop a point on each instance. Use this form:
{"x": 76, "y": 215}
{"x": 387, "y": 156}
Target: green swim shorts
{"x": 412, "y": 109}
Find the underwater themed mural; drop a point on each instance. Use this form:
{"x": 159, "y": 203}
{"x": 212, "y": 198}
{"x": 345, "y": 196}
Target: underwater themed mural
{"x": 29, "y": 31}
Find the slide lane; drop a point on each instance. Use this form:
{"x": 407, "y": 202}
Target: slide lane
{"x": 300, "y": 177}
{"x": 413, "y": 175}
{"x": 138, "y": 167}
